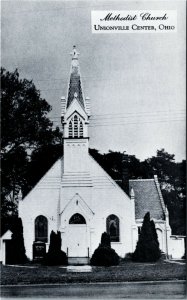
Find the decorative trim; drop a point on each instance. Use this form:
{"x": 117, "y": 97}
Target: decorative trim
{"x": 76, "y": 112}
{"x": 77, "y": 138}
{"x": 85, "y": 204}
{"x": 160, "y": 194}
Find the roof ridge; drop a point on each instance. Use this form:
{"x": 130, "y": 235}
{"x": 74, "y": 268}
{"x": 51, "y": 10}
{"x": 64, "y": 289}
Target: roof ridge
{"x": 160, "y": 193}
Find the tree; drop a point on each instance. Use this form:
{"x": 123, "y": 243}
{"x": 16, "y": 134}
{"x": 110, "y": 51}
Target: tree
{"x": 163, "y": 165}
{"x": 55, "y": 255}
{"x": 172, "y": 177}
{"x": 17, "y": 250}
{"x": 104, "y": 255}
{"x": 154, "y": 233}
{"x": 24, "y": 120}
{"x": 25, "y": 128}
{"x": 40, "y": 162}
{"x": 13, "y": 173}
{"x": 105, "y": 240}
{"x": 147, "y": 248}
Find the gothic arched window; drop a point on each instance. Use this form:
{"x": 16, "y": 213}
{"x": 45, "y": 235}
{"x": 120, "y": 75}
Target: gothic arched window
{"x": 70, "y": 129}
{"x": 112, "y": 227}
{"x": 77, "y": 219}
{"x": 41, "y": 229}
{"x": 76, "y": 134}
{"x": 75, "y": 128}
{"x": 81, "y": 129}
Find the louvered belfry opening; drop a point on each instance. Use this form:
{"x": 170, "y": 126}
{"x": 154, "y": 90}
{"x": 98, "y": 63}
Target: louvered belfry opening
{"x": 76, "y": 127}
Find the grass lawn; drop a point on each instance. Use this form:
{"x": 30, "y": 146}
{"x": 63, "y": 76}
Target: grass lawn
{"x": 126, "y": 271}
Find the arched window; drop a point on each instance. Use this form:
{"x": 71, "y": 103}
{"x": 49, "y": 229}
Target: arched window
{"x": 75, "y": 128}
{"x": 81, "y": 129}
{"x": 70, "y": 129}
{"x": 41, "y": 229}
{"x": 112, "y": 227}
{"x": 77, "y": 219}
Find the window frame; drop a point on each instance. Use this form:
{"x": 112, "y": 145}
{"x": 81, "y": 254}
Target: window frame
{"x": 113, "y": 239}
{"x": 39, "y": 238}
{"x": 76, "y": 127}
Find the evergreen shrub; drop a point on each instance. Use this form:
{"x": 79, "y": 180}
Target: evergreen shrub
{"x": 104, "y": 255}
{"x": 128, "y": 256}
{"x": 184, "y": 256}
{"x": 55, "y": 256}
{"x": 16, "y": 249}
{"x": 147, "y": 248}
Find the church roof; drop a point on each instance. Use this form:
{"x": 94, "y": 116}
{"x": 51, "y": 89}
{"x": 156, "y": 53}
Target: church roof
{"x": 75, "y": 85}
{"x": 148, "y": 197}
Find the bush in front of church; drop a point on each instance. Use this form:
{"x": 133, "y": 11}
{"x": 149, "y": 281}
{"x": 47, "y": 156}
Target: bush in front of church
{"x": 55, "y": 256}
{"x": 147, "y": 248}
{"x": 104, "y": 255}
{"x": 15, "y": 248}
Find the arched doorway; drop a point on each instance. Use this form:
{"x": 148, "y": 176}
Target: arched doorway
{"x": 77, "y": 219}
{"x": 77, "y": 236}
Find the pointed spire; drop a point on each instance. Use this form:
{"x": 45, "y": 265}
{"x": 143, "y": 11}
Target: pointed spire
{"x": 75, "y": 84}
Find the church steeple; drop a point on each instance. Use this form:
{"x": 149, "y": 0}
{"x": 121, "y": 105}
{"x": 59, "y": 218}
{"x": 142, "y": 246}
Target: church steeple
{"x": 75, "y": 112}
{"x": 75, "y": 109}
{"x": 75, "y": 84}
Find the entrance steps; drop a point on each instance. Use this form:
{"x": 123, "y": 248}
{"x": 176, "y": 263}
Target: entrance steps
{"x": 78, "y": 261}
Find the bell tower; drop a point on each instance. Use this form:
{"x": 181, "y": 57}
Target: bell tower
{"x": 75, "y": 113}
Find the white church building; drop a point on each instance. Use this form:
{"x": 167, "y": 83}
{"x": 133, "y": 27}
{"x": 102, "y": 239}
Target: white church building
{"x": 79, "y": 199}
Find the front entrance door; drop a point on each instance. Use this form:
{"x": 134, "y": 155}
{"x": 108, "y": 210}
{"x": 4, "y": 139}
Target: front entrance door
{"x": 77, "y": 240}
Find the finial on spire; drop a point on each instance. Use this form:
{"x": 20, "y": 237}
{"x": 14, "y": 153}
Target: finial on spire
{"x": 74, "y": 53}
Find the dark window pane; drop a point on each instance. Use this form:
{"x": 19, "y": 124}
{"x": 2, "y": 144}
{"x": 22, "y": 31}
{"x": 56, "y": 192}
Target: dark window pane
{"x": 112, "y": 227}
{"x": 70, "y": 129}
{"x": 77, "y": 219}
{"x": 41, "y": 229}
{"x": 81, "y": 129}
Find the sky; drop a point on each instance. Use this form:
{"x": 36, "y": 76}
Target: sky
{"x": 136, "y": 82}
